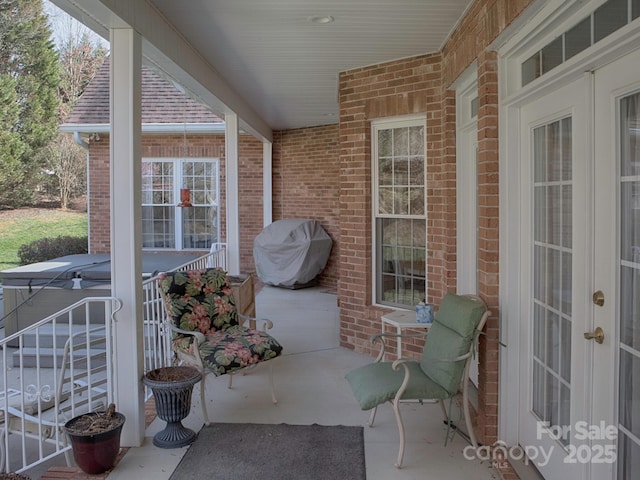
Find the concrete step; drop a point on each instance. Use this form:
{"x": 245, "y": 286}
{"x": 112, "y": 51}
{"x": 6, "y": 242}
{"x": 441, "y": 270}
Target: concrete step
{"x": 51, "y": 345}
{"x": 47, "y": 339}
{"x": 29, "y": 357}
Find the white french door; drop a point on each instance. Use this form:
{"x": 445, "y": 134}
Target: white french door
{"x": 554, "y": 189}
{"x": 580, "y": 282}
{"x": 616, "y": 372}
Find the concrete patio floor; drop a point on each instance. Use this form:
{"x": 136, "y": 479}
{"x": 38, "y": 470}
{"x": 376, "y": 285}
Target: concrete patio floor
{"x": 311, "y": 389}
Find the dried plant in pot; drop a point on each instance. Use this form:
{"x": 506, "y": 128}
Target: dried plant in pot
{"x": 95, "y": 439}
{"x": 172, "y": 388}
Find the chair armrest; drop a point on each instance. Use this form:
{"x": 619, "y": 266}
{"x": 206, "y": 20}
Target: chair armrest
{"x": 383, "y": 346}
{"x": 199, "y": 335}
{"x": 266, "y": 323}
{"x": 402, "y": 363}
{"x": 453, "y": 360}
{"x": 379, "y": 337}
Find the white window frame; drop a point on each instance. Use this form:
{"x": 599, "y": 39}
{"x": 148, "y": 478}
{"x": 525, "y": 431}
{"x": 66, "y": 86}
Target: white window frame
{"x": 178, "y": 183}
{"x": 467, "y": 188}
{"x": 467, "y": 182}
{"x": 384, "y": 124}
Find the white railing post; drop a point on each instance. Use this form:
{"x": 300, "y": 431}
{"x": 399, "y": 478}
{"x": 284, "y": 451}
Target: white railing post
{"x": 125, "y": 225}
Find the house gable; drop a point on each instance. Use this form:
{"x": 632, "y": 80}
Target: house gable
{"x": 162, "y": 103}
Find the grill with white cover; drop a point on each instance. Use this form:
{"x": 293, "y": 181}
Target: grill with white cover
{"x": 291, "y": 253}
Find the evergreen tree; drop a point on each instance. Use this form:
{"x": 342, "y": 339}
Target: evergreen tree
{"x": 29, "y": 80}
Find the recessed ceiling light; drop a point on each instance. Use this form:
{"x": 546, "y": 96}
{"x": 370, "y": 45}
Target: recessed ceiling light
{"x": 320, "y": 19}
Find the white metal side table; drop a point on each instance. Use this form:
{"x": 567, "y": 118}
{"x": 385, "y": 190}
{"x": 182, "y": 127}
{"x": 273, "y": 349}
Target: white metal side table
{"x": 401, "y": 319}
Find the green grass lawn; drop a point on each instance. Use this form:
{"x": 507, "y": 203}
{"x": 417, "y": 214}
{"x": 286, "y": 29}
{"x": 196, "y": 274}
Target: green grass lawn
{"x": 21, "y": 226}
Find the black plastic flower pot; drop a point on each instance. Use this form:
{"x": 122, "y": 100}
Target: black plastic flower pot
{"x": 172, "y": 388}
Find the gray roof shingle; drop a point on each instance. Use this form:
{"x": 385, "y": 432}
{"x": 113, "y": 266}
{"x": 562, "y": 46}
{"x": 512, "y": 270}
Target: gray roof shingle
{"x": 161, "y": 102}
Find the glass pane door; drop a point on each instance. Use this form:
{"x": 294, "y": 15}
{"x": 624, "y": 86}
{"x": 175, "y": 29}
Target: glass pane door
{"x": 552, "y": 270}
{"x": 629, "y": 302}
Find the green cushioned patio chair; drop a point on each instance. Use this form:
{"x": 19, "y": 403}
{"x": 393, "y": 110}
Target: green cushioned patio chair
{"x": 439, "y": 375}
{"x": 208, "y": 330}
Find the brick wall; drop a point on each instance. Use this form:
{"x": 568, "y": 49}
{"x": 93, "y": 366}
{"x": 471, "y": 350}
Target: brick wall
{"x": 99, "y": 196}
{"x": 409, "y": 86}
{"x": 305, "y": 172}
{"x": 488, "y": 240}
{"x": 420, "y": 85}
{"x": 485, "y": 19}
{"x": 250, "y": 169}
{"x": 482, "y": 24}
{"x": 173, "y": 146}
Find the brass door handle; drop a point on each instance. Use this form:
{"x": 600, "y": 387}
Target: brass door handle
{"x": 598, "y": 298}
{"x": 597, "y": 335}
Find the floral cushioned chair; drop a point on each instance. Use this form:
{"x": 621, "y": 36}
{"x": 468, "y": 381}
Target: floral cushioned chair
{"x": 208, "y": 331}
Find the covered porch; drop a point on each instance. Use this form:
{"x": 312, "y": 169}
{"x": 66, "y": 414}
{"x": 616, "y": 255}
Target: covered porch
{"x": 492, "y": 102}
{"x": 328, "y": 154}
{"x": 311, "y": 389}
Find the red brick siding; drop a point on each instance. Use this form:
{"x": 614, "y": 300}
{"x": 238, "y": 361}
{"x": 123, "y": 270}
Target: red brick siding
{"x": 410, "y": 86}
{"x": 99, "y": 196}
{"x": 305, "y": 173}
{"x": 420, "y": 85}
{"x": 482, "y": 24}
{"x": 488, "y": 241}
{"x": 485, "y": 19}
{"x": 174, "y": 146}
{"x": 250, "y": 168}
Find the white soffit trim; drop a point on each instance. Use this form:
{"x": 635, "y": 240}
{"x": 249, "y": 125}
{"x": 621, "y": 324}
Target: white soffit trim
{"x": 150, "y": 128}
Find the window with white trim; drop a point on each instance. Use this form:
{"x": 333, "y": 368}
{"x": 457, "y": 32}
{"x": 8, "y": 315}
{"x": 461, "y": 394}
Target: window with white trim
{"x": 399, "y": 211}
{"x": 467, "y": 181}
{"x": 609, "y": 17}
{"x": 165, "y": 223}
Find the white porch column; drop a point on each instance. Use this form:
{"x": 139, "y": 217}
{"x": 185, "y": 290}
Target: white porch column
{"x": 233, "y": 211}
{"x": 267, "y": 183}
{"x": 126, "y": 236}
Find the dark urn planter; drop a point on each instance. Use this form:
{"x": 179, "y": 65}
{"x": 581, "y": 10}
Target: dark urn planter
{"x": 95, "y": 440}
{"x": 172, "y": 388}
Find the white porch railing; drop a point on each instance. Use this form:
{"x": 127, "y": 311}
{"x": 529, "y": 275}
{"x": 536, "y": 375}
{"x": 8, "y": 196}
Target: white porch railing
{"x": 63, "y": 366}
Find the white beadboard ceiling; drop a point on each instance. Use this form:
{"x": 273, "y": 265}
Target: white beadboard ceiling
{"x": 286, "y": 67}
